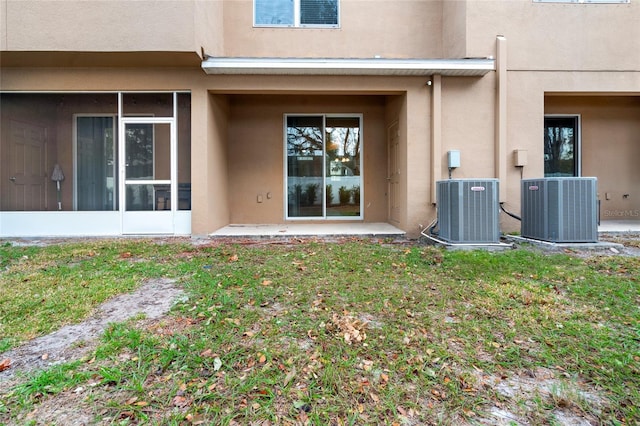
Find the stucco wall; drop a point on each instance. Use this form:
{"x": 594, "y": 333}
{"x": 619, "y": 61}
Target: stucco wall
{"x": 610, "y": 148}
{"x": 100, "y": 25}
{"x": 256, "y": 152}
{"x": 454, "y": 29}
{"x": 468, "y": 125}
{"x": 557, "y": 36}
{"x": 406, "y": 29}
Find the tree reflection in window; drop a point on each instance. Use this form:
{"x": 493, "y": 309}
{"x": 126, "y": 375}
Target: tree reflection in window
{"x": 139, "y": 151}
{"x": 560, "y": 146}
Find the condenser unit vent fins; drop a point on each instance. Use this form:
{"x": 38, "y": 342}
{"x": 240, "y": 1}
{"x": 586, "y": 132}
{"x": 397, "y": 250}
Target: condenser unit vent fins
{"x": 560, "y": 210}
{"x": 468, "y": 210}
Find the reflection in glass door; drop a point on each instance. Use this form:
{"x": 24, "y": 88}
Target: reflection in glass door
{"x": 149, "y": 170}
{"x": 561, "y": 146}
{"x": 323, "y": 167}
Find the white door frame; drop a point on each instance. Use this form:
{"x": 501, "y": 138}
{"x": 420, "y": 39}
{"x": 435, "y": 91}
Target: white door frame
{"x": 147, "y": 222}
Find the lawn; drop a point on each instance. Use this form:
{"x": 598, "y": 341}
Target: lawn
{"x": 347, "y": 332}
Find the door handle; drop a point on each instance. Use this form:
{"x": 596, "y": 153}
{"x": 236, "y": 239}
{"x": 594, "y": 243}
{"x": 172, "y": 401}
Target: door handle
{"x": 12, "y": 179}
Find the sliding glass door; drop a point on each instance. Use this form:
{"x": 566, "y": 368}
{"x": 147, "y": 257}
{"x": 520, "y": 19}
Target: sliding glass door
{"x": 95, "y": 163}
{"x": 323, "y": 167}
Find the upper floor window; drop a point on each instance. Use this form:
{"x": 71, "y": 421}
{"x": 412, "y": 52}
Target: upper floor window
{"x": 295, "y": 13}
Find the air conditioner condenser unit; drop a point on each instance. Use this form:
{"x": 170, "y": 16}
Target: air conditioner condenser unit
{"x": 560, "y": 209}
{"x": 468, "y": 211}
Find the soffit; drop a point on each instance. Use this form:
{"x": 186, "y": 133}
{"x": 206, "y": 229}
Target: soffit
{"x": 375, "y": 66}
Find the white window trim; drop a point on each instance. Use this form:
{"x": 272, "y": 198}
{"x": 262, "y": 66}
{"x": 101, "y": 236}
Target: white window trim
{"x": 296, "y": 19}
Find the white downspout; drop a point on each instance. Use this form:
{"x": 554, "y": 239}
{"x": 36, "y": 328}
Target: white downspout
{"x": 501, "y": 116}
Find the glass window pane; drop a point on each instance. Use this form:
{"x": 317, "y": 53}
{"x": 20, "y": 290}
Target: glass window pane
{"x": 139, "y": 151}
{"x": 305, "y": 154}
{"x": 560, "y": 145}
{"x": 343, "y": 181}
{"x": 319, "y": 12}
{"x": 273, "y": 12}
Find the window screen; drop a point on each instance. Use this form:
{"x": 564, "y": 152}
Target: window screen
{"x": 318, "y": 12}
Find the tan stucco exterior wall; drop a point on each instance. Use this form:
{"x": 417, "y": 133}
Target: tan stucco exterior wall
{"x": 610, "y": 148}
{"x": 210, "y": 207}
{"x": 557, "y": 36}
{"x": 99, "y": 25}
{"x": 367, "y": 29}
{"x": 575, "y": 58}
{"x": 526, "y": 109}
{"x": 256, "y": 152}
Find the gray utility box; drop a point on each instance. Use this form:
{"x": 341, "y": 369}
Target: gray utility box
{"x": 560, "y": 210}
{"x": 468, "y": 210}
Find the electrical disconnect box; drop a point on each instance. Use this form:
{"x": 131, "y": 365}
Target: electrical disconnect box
{"x": 453, "y": 159}
{"x": 468, "y": 210}
{"x": 560, "y": 209}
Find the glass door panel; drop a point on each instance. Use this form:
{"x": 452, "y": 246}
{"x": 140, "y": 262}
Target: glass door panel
{"x": 343, "y": 166}
{"x": 305, "y": 155}
{"x": 95, "y": 164}
{"x": 561, "y": 146}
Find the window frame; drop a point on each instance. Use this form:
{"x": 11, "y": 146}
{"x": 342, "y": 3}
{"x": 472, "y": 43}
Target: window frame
{"x": 296, "y": 18}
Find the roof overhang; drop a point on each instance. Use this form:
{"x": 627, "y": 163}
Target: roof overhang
{"x": 375, "y": 66}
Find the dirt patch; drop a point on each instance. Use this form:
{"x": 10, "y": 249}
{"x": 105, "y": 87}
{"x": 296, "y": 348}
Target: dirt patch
{"x": 568, "y": 401}
{"x": 153, "y": 300}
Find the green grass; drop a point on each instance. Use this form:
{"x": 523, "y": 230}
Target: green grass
{"x": 357, "y": 332}
{"x": 38, "y": 283}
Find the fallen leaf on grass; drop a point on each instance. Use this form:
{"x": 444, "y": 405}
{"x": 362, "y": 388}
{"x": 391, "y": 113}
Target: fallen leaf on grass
{"x": 233, "y": 258}
{"x": 235, "y": 321}
{"x": 217, "y": 364}
{"x": 180, "y": 401}
{"x": 207, "y": 353}
{"x": 194, "y": 420}
{"x": 5, "y": 364}
{"x": 289, "y": 376}
{"x": 351, "y": 329}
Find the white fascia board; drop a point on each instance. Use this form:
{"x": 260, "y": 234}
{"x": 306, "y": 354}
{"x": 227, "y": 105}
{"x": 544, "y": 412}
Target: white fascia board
{"x": 375, "y": 66}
